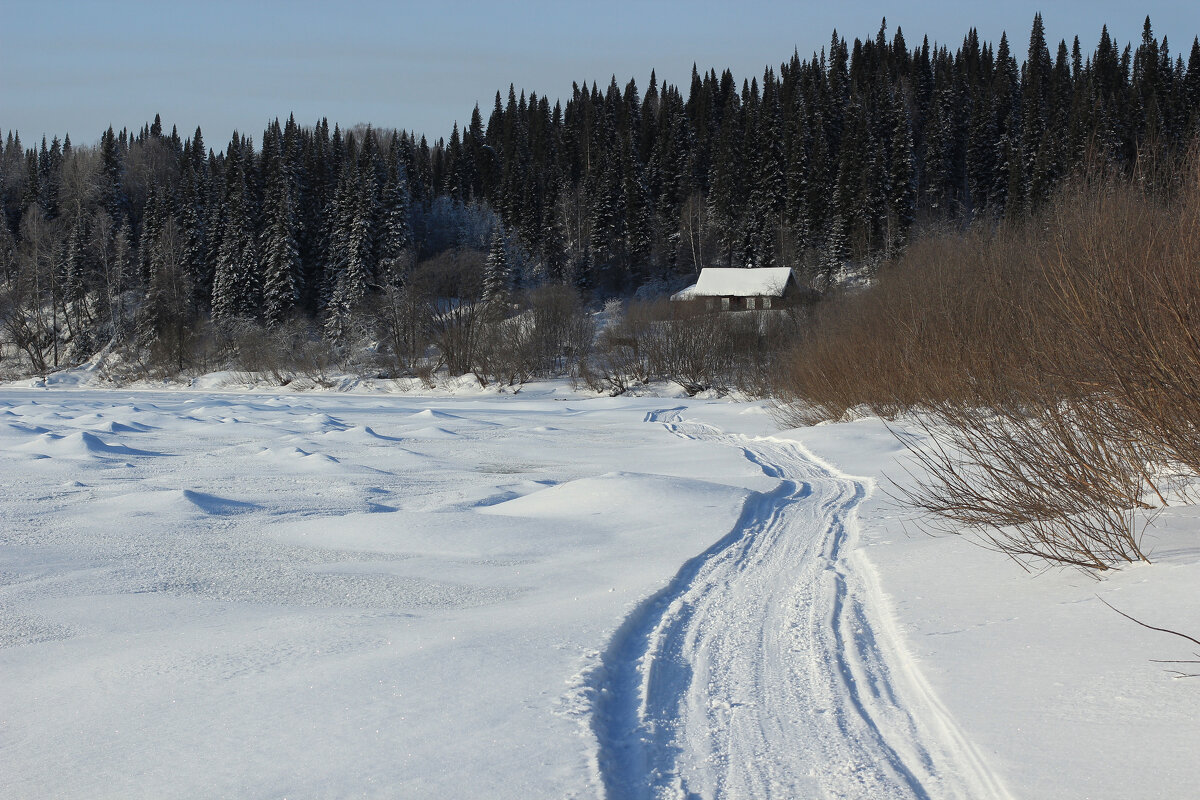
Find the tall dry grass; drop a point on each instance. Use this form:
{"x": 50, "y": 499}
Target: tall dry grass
{"x": 1055, "y": 362}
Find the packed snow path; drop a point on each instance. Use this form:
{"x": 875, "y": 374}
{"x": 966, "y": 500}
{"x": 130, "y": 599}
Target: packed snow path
{"x": 767, "y": 667}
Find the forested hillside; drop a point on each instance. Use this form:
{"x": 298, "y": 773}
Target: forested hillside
{"x": 837, "y": 159}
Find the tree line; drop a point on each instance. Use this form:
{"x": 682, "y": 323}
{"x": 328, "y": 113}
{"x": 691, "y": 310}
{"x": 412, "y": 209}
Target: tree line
{"x": 827, "y": 161}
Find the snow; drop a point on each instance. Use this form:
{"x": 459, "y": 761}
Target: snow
{"x": 1054, "y": 688}
{"x": 543, "y": 595}
{"x": 733, "y": 282}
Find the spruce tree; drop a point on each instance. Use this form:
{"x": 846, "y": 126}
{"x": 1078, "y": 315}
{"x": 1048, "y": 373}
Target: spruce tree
{"x": 118, "y": 278}
{"x": 726, "y": 186}
{"x": 901, "y": 199}
{"x": 8, "y": 252}
{"x": 497, "y": 275}
{"x": 110, "y": 190}
{"x": 281, "y": 260}
{"x": 1036, "y": 157}
{"x": 768, "y": 196}
{"x": 352, "y": 251}
{"x": 1008, "y": 169}
{"x": 395, "y": 236}
{"x": 836, "y": 251}
{"x": 75, "y": 279}
{"x": 237, "y": 288}
{"x": 165, "y": 314}
{"x": 280, "y": 248}
{"x": 152, "y": 221}
{"x": 193, "y": 222}
{"x": 796, "y": 208}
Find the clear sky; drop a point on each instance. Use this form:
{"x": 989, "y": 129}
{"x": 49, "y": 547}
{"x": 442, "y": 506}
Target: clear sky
{"x": 79, "y": 65}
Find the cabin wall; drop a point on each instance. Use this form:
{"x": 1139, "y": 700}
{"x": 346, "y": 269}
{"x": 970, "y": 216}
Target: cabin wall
{"x": 732, "y": 303}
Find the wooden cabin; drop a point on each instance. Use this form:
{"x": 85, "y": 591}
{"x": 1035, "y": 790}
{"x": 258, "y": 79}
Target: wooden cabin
{"x": 733, "y": 289}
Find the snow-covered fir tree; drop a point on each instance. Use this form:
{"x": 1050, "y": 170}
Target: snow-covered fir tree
{"x": 237, "y": 288}
{"x": 497, "y": 275}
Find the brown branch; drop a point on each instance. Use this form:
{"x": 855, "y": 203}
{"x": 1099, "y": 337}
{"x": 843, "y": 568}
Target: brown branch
{"x": 1176, "y": 673}
{"x": 1144, "y": 625}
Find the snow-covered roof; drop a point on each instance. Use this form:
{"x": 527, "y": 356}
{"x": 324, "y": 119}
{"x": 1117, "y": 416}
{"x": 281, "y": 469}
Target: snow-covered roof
{"x": 727, "y": 282}
{"x": 685, "y": 294}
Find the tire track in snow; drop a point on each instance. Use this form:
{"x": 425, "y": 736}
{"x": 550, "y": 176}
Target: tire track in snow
{"x": 769, "y": 666}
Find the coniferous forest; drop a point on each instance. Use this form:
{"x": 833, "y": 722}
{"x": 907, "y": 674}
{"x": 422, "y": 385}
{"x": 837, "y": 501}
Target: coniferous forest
{"x": 155, "y": 241}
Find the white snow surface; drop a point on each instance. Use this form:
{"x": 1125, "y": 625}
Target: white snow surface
{"x": 210, "y": 594}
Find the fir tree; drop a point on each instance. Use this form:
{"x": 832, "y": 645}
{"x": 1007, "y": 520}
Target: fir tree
{"x": 352, "y": 251}
{"x": 395, "y": 239}
{"x": 111, "y": 195}
{"x": 768, "y": 196}
{"x": 796, "y": 209}
{"x": 237, "y": 286}
{"x": 281, "y": 260}
{"x": 901, "y": 179}
{"x": 280, "y": 248}
{"x": 497, "y": 276}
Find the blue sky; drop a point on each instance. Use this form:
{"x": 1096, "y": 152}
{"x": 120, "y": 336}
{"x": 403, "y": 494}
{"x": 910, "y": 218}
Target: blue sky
{"x": 80, "y": 66}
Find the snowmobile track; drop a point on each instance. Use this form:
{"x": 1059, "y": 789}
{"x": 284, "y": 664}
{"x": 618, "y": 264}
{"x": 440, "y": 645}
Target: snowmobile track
{"x": 770, "y": 665}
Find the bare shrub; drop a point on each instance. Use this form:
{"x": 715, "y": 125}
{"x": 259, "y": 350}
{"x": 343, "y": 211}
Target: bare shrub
{"x": 564, "y": 329}
{"x": 283, "y": 353}
{"x": 694, "y": 347}
{"x": 1055, "y": 362}
{"x": 424, "y": 370}
{"x": 403, "y": 313}
{"x": 505, "y": 353}
{"x": 259, "y": 352}
{"x": 548, "y": 333}
{"x": 1193, "y": 663}
{"x": 621, "y": 359}
{"x": 26, "y": 331}
{"x": 1125, "y": 291}
{"x": 450, "y": 283}
{"x": 210, "y": 346}
{"x": 691, "y": 349}
{"x": 30, "y": 312}
{"x": 1041, "y": 483}
{"x": 455, "y": 327}
{"x": 952, "y": 316}
{"x": 762, "y": 343}
{"x": 1032, "y": 450}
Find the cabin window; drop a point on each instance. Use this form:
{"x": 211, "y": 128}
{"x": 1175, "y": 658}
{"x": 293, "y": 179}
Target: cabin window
{"x": 708, "y": 304}
{"x": 766, "y": 302}
{"x": 749, "y": 303}
{"x": 724, "y": 303}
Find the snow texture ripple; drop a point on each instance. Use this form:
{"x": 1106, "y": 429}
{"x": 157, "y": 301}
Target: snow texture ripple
{"x": 770, "y": 666}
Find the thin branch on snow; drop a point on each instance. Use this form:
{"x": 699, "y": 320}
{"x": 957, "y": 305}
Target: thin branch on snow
{"x": 1176, "y": 673}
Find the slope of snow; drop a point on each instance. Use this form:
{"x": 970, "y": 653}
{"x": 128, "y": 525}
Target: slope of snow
{"x": 651, "y": 497}
{"x": 543, "y": 596}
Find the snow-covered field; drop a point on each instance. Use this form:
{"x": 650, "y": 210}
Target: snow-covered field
{"x": 542, "y": 596}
